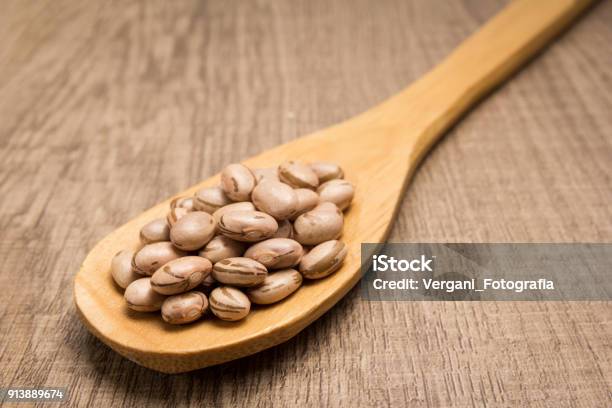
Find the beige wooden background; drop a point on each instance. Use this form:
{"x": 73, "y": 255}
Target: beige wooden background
{"x": 109, "y": 107}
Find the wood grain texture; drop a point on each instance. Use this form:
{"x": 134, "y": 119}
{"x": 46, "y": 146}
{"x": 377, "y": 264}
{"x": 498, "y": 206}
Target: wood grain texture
{"x": 107, "y": 110}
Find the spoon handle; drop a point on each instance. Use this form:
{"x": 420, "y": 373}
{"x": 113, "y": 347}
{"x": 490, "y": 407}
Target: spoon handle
{"x": 419, "y": 115}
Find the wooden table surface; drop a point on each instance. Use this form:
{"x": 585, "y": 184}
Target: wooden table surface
{"x": 107, "y": 108}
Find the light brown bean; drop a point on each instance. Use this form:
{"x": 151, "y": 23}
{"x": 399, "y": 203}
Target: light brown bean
{"x": 184, "y": 308}
{"x": 150, "y": 257}
{"x": 276, "y": 199}
{"x": 193, "y": 230}
{"x": 182, "y": 202}
{"x": 323, "y": 260}
{"x": 229, "y": 304}
{"x": 276, "y": 253}
{"x": 210, "y": 199}
{"x": 155, "y": 231}
{"x": 339, "y": 192}
{"x": 240, "y": 206}
{"x": 298, "y": 175}
{"x": 327, "y": 171}
{"x": 122, "y": 270}
{"x": 276, "y": 287}
{"x": 318, "y": 225}
{"x": 180, "y": 275}
{"x": 326, "y": 206}
{"x": 141, "y": 297}
{"x": 237, "y": 181}
{"x": 239, "y": 271}
{"x": 247, "y": 226}
{"x": 221, "y": 247}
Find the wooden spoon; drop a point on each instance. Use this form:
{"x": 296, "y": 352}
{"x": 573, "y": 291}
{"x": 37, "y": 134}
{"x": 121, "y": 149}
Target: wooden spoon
{"x": 379, "y": 151}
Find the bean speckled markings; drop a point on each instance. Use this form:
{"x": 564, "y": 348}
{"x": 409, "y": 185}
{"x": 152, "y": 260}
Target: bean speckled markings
{"x": 276, "y": 253}
{"x": 298, "y": 175}
{"x": 150, "y": 257}
{"x": 229, "y": 304}
{"x": 193, "y": 230}
{"x": 239, "y": 206}
{"x": 184, "y": 308}
{"x": 210, "y": 199}
{"x": 182, "y": 202}
{"x": 275, "y": 198}
{"x": 276, "y": 287}
{"x": 141, "y": 297}
{"x": 323, "y": 260}
{"x": 247, "y": 226}
{"x": 180, "y": 275}
{"x": 237, "y": 181}
{"x": 176, "y": 214}
{"x": 327, "y": 171}
{"x": 322, "y": 223}
{"x": 221, "y": 247}
{"x": 239, "y": 271}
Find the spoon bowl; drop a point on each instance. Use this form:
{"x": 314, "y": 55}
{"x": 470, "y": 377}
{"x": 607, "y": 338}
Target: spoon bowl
{"x": 379, "y": 151}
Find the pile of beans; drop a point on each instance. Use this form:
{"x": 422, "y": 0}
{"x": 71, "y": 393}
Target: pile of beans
{"x": 251, "y": 239}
